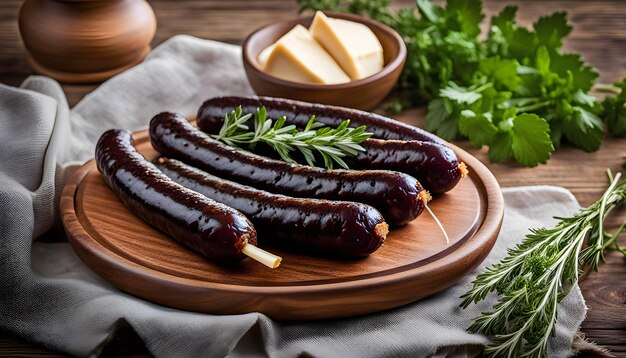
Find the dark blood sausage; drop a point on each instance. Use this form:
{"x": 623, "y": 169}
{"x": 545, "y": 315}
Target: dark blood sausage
{"x": 434, "y": 165}
{"x": 407, "y": 149}
{"x": 213, "y": 229}
{"x": 399, "y": 197}
{"x": 299, "y": 113}
{"x": 331, "y": 228}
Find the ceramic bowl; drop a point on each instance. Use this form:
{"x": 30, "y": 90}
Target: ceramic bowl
{"x": 364, "y": 94}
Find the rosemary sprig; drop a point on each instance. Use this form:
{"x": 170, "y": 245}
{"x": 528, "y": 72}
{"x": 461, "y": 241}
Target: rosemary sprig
{"x": 537, "y": 274}
{"x": 332, "y": 144}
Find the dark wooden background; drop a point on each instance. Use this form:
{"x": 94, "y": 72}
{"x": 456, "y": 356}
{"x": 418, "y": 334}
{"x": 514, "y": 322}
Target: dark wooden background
{"x": 599, "y": 33}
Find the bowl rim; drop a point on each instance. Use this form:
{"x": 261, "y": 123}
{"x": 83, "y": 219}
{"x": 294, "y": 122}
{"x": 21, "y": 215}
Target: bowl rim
{"x": 397, "y": 61}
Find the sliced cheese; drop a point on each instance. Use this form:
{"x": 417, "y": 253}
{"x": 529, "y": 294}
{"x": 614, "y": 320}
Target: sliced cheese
{"x": 353, "y": 45}
{"x": 298, "y": 57}
{"x": 265, "y": 54}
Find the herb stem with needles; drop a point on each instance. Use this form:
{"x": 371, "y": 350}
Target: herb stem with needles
{"x": 537, "y": 274}
{"x": 331, "y": 144}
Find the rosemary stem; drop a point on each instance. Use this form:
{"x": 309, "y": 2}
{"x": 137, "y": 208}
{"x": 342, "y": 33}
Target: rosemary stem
{"x": 537, "y": 273}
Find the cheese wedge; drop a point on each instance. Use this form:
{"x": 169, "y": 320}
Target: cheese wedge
{"x": 298, "y": 57}
{"x": 353, "y": 45}
{"x": 265, "y": 54}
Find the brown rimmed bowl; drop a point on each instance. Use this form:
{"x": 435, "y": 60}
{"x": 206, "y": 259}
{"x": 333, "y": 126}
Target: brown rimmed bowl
{"x": 364, "y": 94}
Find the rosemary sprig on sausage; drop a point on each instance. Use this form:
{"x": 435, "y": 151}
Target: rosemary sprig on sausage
{"x": 332, "y": 144}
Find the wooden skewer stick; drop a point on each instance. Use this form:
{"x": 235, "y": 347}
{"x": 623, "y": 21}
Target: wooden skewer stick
{"x": 438, "y": 223}
{"x": 268, "y": 259}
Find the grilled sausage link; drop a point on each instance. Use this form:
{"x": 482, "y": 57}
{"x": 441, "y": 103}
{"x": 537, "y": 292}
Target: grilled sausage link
{"x": 213, "y": 229}
{"x": 399, "y": 197}
{"x": 330, "y": 228}
{"x": 435, "y": 165}
{"x": 299, "y": 113}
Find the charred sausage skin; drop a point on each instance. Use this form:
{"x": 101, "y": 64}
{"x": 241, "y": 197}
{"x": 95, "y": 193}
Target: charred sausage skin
{"x": 213, "y": 229}
{"x": 399, "y": 197}
{"x": 334, "y": 228}
{"x": 406, "y": 149}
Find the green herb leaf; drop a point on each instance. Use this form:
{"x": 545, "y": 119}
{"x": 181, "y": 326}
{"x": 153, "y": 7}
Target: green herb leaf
{"x": 530, "y": 139}
{"x": 459, "y": 94}
{"x": 429, "y": 11}
{"x": 501, "y": 72}
{"x": 440, "y": 120}
{"x": 583, "y": 76}
{"x": 467, "y": 13}
{"x": 583, "y": 129}
{"x": 479, "y": 128}
{"x": 542, "y": 61}
{"x": 505, "y": 19}
{"x": 614, "y": 110}
{"x": 501, "y": 148}
{"x": 552, "y": 29}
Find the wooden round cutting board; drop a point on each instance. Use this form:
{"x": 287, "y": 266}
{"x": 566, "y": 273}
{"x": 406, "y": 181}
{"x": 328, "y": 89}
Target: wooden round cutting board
{"x": 414, "y": 262}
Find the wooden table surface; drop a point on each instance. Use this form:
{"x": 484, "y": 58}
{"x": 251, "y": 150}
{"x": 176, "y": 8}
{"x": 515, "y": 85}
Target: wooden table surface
{"x": 599, "y": 33}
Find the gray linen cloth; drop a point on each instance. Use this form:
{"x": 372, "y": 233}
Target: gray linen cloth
{"x": 48, "y": 296}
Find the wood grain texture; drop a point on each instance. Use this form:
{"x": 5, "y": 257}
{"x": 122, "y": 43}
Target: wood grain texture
{"x": 414, "y": 262}
{"x": 598, "y": 34}
{"x": 11, "y": 346}
{"x": 365, "y": 94}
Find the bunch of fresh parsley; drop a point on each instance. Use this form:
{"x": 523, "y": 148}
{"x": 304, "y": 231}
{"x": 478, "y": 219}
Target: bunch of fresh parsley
{"x": 514, "y": 91}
